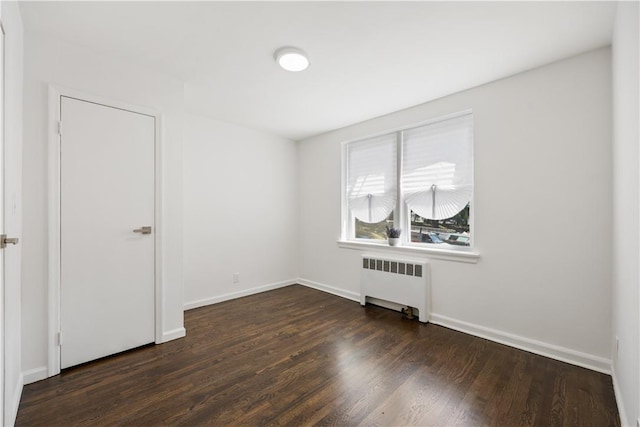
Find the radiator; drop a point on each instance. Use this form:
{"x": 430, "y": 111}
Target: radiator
{"x": 404, "y": 282}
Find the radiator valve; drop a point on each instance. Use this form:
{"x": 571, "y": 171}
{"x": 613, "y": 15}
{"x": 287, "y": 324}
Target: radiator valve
{"x": 408, "y": 313}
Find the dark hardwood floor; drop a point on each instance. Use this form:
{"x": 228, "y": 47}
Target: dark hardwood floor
{"x": 296, "y": 356}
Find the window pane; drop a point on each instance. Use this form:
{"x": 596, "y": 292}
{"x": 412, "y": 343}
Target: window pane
{"x": 373, "y": 231}
{"x": 435, "y": 183}
{"x": 371, "y": 178}
{"x": 449, "y": 231}
{"x": 437, "y": 167}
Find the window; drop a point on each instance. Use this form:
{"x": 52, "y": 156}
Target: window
{"x": 418, "y": 179}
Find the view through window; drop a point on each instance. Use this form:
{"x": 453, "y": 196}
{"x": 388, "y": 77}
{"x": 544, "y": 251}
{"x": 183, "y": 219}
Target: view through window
{"x": 374, "y": 231}
{"x": 454, "y": 230}
{"x": 430, "y": 198}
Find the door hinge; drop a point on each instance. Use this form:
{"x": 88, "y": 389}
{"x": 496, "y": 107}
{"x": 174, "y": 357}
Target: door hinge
{"x": 60, "y": 128}
{"x": 59, "y": 338}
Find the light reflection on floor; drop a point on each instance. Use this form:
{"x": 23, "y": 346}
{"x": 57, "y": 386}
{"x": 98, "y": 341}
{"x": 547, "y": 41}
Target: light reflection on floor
{"x": 418, "y": 399}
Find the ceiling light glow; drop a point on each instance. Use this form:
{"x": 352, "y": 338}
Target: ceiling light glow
{"x": 291, "y": 59}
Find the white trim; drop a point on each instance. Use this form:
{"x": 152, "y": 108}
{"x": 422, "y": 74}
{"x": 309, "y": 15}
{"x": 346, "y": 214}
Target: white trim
{"x": 158, "y": 232}
{"x": 173, "y": 335}
{"x": 403, "y": 221}
{"x": 353, "y": 296}
{"x": 35, "y": 374}
{"x": 53, "y": 150}
{"x": 226, "y": 297}
{"x": 55, "y": 92}
{"x": 624, "y": 422}
{"x": 346, "y": 230}
{"x": 11, "y": 413}
{"x": 345, "y": 225}
{"x": 3, "y": 396}
{"x": 430, "y": 253}
{"x": 585, "y": 360}
{"x": 84, "y": 96}
{"x": 411, "y": 125}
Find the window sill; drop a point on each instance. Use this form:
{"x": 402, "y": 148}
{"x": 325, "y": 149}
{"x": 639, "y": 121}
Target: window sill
{"x": 459, "y": 255}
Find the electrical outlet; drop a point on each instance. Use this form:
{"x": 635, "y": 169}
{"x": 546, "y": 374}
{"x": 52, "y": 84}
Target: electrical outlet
{"x": 236, "y": 277}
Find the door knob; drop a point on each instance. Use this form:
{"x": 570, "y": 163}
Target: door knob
{"x": 143, "y": 230}
{"x": 4, "y": 241}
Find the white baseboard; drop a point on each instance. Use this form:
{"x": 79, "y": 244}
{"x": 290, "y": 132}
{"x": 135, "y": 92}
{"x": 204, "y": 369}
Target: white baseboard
{"x": 11, "y": 412}
{"x": 239, "y": 294}
{"x": 173, "y": 335}
{"x": 330, "y": 289}
{"x": 624, "y": 422}
{"x": 35, "y": 374}
{"x": 562, "y": 354}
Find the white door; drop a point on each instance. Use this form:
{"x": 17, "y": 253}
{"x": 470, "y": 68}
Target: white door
{"x": 11, "y": 255}
{"x": 106, "y": 256}
{"x": 3, "y": 383}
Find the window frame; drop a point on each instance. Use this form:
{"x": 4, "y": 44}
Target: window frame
{"x": 401, "y": 213}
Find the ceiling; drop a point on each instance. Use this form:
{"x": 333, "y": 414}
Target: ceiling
{"x": 367, "y": 58}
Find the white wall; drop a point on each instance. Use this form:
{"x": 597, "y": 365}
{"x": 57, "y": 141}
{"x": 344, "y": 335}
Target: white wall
{"x": 542, "y": 211}
{"x": 626, "y": 211}
{"x": 240, "y": 211}
{"x": 51, "y": 61}
{"x": 12, "y": 24}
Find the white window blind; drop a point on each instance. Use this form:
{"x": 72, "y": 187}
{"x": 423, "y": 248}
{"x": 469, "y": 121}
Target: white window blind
{"x": 437, "y": 168}
{"x": 371, "y": 186}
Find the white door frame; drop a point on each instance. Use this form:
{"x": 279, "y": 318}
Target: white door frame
{"x": 55, "y": 92}
{"x": 3, "y": 396}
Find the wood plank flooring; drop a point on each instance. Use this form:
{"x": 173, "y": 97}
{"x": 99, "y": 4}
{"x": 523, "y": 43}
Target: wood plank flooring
{"x": 296, "y": 356}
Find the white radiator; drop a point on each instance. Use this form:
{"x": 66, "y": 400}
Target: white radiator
{"x": 400, "y": 281}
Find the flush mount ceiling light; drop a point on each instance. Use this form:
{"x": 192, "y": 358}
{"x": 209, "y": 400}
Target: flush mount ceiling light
{"x": 291, "y": 59}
